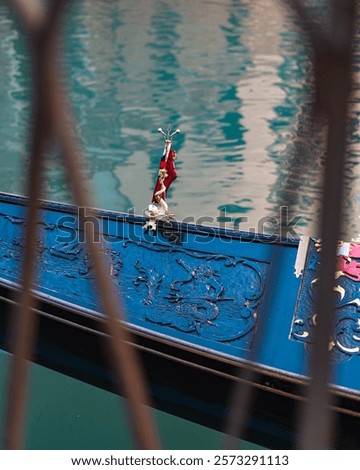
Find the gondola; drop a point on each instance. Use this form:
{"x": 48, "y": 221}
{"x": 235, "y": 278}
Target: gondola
{"x": 204, "y": 304}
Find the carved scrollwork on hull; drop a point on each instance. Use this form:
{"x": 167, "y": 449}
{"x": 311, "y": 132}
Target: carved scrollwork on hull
{"x": 169, "y": 287}
{"x": 345, "y": 340}
{"x": 207, "y": 296}
{"x": 57, "y": 259}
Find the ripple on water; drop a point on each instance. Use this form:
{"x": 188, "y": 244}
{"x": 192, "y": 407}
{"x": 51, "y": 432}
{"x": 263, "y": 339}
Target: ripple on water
{"x": 233, "y": 83}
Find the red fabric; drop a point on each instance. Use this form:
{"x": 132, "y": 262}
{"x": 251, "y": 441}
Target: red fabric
{"x": 350, "y": 268}
{"x": 169, "y": 166}
{"x": 354, "y": 250}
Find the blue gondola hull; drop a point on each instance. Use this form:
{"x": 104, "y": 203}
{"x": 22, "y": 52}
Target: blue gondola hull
{"x": 196, "y": 298}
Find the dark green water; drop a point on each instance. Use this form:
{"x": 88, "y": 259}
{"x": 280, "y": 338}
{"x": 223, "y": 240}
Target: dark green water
{"x": 231, "y": 75}
{"x": 68, "y": 414}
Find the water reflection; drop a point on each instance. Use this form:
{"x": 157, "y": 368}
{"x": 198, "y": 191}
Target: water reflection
{"x": 299, "y": 155}
{"x": 14, "y": 102}
{"x": 234, "y": 83}
{"x": 296, "y": 150}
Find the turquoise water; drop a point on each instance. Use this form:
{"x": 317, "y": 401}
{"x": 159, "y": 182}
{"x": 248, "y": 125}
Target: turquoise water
{"x": 231, "y": 75}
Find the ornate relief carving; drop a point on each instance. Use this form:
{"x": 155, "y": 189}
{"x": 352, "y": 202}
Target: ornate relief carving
{"x": 345, "y": 340}
{"x": 213, "y": 296}
{"x": 216, "y": 297}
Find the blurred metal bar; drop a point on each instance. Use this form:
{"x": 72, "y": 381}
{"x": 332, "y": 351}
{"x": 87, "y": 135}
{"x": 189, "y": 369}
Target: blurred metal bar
{"x": 331, "y": 54}
{"x": 24, "y": 326}
{"x": 124, "y": 358}
{"x": 332, "y": 48}
{"x": 32, "y": 14}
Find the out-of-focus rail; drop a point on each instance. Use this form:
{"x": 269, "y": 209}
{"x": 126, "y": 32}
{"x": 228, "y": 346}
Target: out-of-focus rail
{"x": 52, "y": 120}
{"x": 331, "y": 51}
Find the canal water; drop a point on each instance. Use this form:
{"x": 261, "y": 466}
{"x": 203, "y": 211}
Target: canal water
{"x": 231, "y": 75}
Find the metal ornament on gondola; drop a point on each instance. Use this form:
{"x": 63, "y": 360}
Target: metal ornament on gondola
{"x": 158, "y": 209}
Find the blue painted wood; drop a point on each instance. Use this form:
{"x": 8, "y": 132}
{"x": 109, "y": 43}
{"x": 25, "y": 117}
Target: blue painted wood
{"x": 206, "y": 289}
{"x": 203, "y": 287}
{"x": 345, "y": 339}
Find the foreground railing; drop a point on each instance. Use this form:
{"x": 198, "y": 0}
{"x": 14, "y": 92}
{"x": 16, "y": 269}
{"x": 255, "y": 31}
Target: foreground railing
{"x": 331, "y": 38}
{"x": 331, "y": 49}
{"x": 52, "y": 120}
